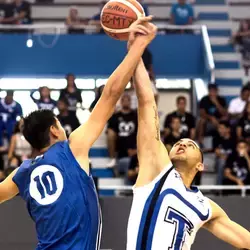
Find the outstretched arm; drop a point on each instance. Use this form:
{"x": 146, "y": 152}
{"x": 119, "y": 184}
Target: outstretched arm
{"x": 152, "y": 154}
{"x": 8, "y": 189}
{"x": 82, "y": 138}
{"x": 227, "y": 230}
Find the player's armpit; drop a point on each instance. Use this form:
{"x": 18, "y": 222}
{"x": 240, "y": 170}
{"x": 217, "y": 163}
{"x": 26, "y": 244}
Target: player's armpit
{"x": 8, "y": 189}
{"x": 227, "y": 230}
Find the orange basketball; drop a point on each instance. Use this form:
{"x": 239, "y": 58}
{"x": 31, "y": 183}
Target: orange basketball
{"x": 118, "y": 15}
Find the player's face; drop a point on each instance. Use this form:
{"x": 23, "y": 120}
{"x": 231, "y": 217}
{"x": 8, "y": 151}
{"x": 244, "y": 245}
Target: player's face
{"x": 185, "y": 150}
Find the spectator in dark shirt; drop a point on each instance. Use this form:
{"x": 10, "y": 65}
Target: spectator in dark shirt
{"x": 182, "y": 13}
{"x": 122, "y": 130}
{"x": 186, "y": 118}
{"x": 243, "y": 128}
{"x": 71, "y": 93}
{"x": 175, "y": 133}
{"x": 213, "y": 108}
{"x": 17, "y": 12}
{"x": 223, "y": 145}
{"x": 237, "y": 166}
{"x": 68, "y": 119}
{"x": 45, "y": 101}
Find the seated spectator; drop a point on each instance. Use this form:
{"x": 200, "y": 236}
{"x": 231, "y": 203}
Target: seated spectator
{"x": 19, "y": 149}
{"x": 95, "y": 20}
{"x": 223, "y": 145}
{"x": 17, "y": 12}
{"x": 237, "y": 168}
{"x": 186, "y": 118}
{"x": 213, "y": 108}
{"x": 182, "y": 13}
{"x": 73, "y": 22}
{"x": 71, "y": 93}
{"x": 122, "y": 130}
{"x": 243, "y": 127}
{"x": 10, "y": 110}
{"x": 242, "y": 38}
{"x": 175, "y": 133}
{"x": 68, "y": 119}
{"x": 133, "y": 170}
{"x": 45, "y": 101}
{"x": 145, "y": 7}
{"x": 97, "y": 97}
{"x": 237, "y": 105}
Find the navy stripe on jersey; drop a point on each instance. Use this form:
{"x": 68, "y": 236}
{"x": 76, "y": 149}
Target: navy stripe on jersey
{"x": 148, "y": 212}
{"x": 157, "y": 209}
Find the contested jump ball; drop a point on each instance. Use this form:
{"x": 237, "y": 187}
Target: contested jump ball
{"x": 118, "y": 15}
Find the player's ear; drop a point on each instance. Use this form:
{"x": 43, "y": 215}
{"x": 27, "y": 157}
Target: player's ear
{"x": 54, "y": 131}
{"x": 200, "y": 167}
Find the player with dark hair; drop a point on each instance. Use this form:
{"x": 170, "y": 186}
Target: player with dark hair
{"x": 167, "y": 211}
{"x": 56, "y": 185}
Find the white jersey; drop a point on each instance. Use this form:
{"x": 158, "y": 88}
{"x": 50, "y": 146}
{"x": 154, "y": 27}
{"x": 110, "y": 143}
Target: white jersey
{"x": 166, "y": 215}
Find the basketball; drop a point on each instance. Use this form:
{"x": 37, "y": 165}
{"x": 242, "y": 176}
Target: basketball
{"x": 118, "y": 15}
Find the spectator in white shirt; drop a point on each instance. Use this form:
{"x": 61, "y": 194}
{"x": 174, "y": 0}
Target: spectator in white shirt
{"x": 237, "y": 105}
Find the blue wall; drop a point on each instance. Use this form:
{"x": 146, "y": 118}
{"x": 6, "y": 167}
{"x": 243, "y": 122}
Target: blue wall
{"x": 97, "y": 55}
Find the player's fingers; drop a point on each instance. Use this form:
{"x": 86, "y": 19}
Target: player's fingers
{"x": 145, "y": 19}
{"x": 142, "y": 29}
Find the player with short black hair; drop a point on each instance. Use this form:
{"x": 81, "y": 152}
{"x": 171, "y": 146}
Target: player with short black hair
{"x": 57, "y": 185}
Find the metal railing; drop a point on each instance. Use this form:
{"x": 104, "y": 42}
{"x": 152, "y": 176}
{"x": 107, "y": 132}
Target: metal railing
{"x": 243, "y": 189}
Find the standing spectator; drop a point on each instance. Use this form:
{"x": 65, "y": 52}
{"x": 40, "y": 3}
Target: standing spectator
{"x": 237, "y": 168}
{"x": 175, "y": 135}
{"x": 10, "y": 110}
{"x": 71, "y": 93}
{"x": 45, "y": 101}
{"x": 68, "y": 119}
{"x": 187, "y": 119}
{"x": 213, "y": 108}
{"x": 122, "y": 130}
{"x": 223, "y": 145}
{"x": 237, "y": 105}
{"x": 73, "y": 22}
{"x": 17, "y": 12}
{"x": 242, "y": 38}
{"x": 182, "y": 13}
{"x": 243, "y": 128}
{"x": 144, "y": 6}
{"x": 19, "y": 149}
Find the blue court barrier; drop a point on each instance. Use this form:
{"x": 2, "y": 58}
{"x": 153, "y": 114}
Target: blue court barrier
{"x": 174, "y": 56}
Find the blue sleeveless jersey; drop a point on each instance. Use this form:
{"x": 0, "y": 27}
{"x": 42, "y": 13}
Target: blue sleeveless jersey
{"x": 61, "y": 199}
